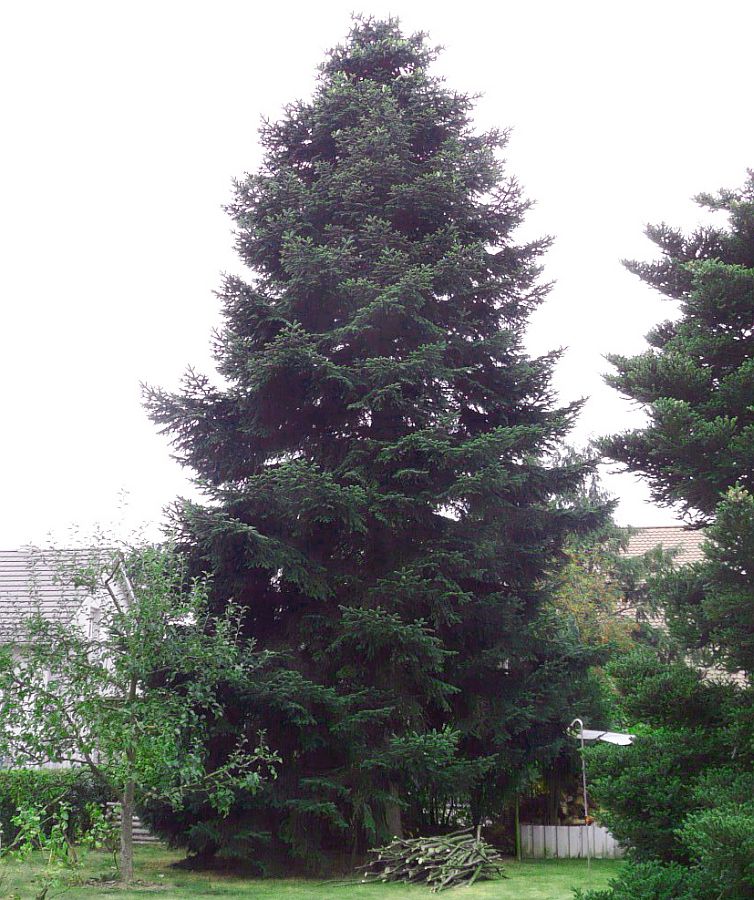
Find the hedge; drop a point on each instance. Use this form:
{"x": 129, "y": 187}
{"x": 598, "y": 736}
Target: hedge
{"x": 48, "y": 788}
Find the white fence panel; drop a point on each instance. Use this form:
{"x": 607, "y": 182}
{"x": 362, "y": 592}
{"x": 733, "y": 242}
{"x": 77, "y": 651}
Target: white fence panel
{"x": 562, "y": 844}
{"x": 538, "y": 841}
{"x": 527, "y": 848}
{"x": 568, "y": 842}
{"x": 550, "y": 840}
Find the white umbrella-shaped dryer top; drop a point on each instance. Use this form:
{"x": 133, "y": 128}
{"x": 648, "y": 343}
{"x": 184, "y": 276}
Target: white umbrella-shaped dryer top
{"x": 609, "y": 737}
{"x": 590, "y": 736}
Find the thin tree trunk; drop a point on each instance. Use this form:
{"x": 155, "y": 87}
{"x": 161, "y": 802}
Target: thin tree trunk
{"x": 393, "y": 815}
{"x": 127, "y": 805}
{"x": 127, "y": 834}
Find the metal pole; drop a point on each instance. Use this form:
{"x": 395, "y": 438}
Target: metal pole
{"x": 583, "y": 787}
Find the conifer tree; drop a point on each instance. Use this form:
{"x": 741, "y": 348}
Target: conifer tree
{"x": 684, "y": 795}
{"x": 696, "y": 380}
{"x": 380, "y": 491}
{"x": 696, "y": 383}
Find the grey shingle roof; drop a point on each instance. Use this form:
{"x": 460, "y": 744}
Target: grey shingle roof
{"x": 688, "y": 544}
{"x": 39, "y": 581}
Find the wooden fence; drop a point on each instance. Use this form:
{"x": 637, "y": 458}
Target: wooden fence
{"x": 568, "y": 842}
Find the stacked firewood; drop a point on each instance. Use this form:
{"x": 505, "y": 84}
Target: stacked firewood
{"x": 446, "y": 861}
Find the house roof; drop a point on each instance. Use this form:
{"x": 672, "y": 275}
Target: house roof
{"x": 40, "y": 581}
{"x": 686, "y": 543}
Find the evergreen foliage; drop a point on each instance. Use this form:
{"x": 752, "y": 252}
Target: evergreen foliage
{"x": 697, "y": 379}
{"x": 606, "y": 596}
{"x": 648, "y": 881}
{"x": 683, "y": 792}
{"x": 710, "y": 605}
{"x": 377, "y": 466}
{"x": 696, "y": 382}
{"x": 684, "y": 731}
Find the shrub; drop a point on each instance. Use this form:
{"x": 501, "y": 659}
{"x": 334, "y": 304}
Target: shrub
{"x": 646, "y": 790}
{"x": 672, "y": 695}
{"x": 48, "y": 788}
{"x": 648, "y": 881}
{"x": 721, "y": 845}
{"x": 726, "y": 786}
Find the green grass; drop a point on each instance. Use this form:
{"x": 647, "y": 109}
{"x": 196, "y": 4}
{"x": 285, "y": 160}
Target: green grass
{"x": 545, "y": 880}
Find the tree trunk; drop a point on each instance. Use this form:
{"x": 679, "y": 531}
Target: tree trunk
{"x": 553, "y": 797}
{"x": 393, "y": 815}
{"x": 127, "y": 834}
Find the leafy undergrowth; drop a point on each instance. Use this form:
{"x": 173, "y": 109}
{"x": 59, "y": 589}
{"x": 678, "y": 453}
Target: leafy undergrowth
{"x": 158, "y": 878}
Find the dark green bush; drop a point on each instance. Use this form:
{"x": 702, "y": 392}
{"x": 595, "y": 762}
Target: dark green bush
{"x": 669, "y": 695}
{"x": 48, "y": 788}
{"x": 720, "y": 844}
{"x": 720, "y": 841}
{"x": 645, "y": 791}
{"x": 726, "y": 786}
{"x": 199, "y": 830}
{"x": 648, "y": 881}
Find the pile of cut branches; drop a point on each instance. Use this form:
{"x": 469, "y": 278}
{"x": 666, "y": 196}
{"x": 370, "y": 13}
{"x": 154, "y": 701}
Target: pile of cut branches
{"x": 445, "y": 861}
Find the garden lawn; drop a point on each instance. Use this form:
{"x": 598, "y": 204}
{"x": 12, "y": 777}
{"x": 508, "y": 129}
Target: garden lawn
{"x": 545, "y": 880}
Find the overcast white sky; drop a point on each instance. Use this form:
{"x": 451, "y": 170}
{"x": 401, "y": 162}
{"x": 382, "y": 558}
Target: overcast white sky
{"x": 123, "y": 124}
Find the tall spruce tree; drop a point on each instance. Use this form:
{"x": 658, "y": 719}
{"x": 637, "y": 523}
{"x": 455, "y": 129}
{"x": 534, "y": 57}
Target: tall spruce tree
{"x": 381, "y": 495}
{"x": 696, "y": 381}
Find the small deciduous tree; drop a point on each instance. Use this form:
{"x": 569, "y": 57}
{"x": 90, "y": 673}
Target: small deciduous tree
{"x": 134, "y": 698}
